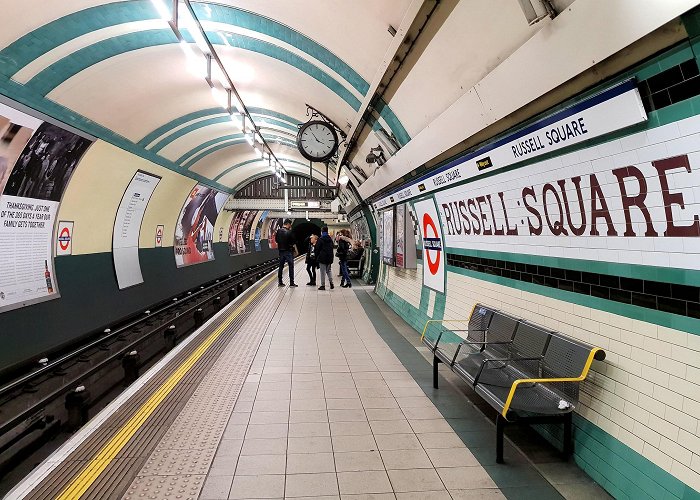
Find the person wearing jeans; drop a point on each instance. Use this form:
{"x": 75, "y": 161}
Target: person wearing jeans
{"x": 285, "y": 244}
{"x": 324, "y": 255}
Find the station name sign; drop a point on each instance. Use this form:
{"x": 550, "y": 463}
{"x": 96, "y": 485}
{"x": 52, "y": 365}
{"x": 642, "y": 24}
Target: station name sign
{"x": 615, "y": 108}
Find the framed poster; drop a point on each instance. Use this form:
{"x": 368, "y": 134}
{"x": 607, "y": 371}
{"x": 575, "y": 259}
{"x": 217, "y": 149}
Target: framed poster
{"x": 388, "y": 236}
{"x": 37, "y": 160}
{"x": 400, "y": 240}
{"x": 194, "y": 232}
{"x": 127, "y": 228}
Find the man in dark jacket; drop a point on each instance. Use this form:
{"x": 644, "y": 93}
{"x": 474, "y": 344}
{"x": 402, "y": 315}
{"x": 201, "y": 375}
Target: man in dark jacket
{"x": 285, "y": 244}
{"x": 324, "y": 256}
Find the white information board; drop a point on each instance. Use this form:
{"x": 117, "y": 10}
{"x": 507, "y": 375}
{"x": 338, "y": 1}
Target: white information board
{"x": 127, "y": 228}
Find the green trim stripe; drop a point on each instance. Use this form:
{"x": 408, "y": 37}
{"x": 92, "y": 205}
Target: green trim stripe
{"x": 285, "y": 160}
{"x": 204, "y": 145}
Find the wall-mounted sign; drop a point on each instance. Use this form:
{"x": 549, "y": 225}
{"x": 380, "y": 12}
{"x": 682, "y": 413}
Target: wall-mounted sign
{"x": 64, "y": 238}
{"x": 433, "y": 251}
{"x": 159, "y": 235}
{"x": 616, "y": 108}
{"x": 127, "y": 228}
{"x": 637, "y": 205}
{"x": 388, "y": 236}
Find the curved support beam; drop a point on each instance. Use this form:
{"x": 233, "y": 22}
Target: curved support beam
{"x": 239, "y": 137}
{"x": 223, "y": 145}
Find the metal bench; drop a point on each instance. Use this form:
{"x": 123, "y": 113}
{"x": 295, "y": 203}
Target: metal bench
{"x": 529, "y": 374}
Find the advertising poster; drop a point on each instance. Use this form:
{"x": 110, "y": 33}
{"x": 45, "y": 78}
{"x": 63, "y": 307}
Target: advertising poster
{"x": 433, "y": 256}
{"x": 236, "y": 242}
{"x": 400, "y": 235}
{"x": 194, "y": 232}
{"x": 248, "y": 230}
{"x": 127, "y": 228}
{"x": 259, "y": 229}
{"x": 37, "y": 160}
{"x": 275, "y": 224}
{"x": 388, "y": 237}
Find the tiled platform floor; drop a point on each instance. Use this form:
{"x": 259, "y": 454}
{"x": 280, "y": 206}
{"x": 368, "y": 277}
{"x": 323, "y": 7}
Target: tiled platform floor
{"x": 330, "y": 411}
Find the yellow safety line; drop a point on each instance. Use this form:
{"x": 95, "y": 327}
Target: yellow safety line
{"x": 80, "y": 484}
{"x": 584, "y": 374}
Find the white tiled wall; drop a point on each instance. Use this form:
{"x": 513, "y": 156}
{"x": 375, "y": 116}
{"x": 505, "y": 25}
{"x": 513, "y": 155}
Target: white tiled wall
{"x": 406, "y": 283}
{"x": 647, "y": 391}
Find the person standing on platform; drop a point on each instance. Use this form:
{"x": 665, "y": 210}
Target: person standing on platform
{"x": 285, "y": 244}
{"x": 324, "y": 255}
{"x": 311, "y": 261}
{"x": 342, "y": 253}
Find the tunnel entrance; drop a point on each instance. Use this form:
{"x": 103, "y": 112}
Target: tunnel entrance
{"x": 302, "y": 229}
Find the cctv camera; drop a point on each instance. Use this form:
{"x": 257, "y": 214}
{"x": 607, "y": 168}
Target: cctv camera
{"x": 371, "y": 158}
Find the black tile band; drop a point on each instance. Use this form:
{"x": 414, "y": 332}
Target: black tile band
{"x": 683, "y": 300}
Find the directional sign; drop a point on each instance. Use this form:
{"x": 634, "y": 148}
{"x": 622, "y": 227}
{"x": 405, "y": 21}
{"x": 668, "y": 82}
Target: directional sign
{"x": 64, "y": 238}
{"x": 159, "y": 236}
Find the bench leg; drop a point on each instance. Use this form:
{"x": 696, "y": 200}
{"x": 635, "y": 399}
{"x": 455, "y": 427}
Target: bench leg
{"x": 500, "y": 425}
{"x": 436, "y": 362}
{"x": 568, "y": 438}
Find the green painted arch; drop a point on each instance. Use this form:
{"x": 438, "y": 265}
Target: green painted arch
{"x": 244, "y": 19}
{"x": 69, "y": 66}
{"x": 181, "y": 120}
{"x": 204, "y": 145}
{"x": 63, "y": 69}
{"x": 170, "y": 138}
{"x": 265, "y": 115}
{"x": 254, "y": 178}
{"x": 226, "y": 144}
{"x": 55, "y": 33}
{"x": 243, "y": 163}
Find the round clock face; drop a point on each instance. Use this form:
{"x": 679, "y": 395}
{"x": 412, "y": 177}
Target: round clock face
{"x": 317, "y": 140}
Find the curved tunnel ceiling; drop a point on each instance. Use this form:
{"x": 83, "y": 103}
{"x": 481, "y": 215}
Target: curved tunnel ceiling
{"x": 116, "y": 70}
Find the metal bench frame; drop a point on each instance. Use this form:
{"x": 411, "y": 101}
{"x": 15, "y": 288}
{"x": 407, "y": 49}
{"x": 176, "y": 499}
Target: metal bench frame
{"x": 507, "y": 416}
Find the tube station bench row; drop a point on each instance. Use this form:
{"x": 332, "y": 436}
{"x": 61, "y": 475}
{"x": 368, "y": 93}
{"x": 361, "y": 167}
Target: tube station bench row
{"x": 529, "y": 374}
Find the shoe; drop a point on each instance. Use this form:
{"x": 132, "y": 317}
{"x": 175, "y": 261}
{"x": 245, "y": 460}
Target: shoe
{"x": 332, "y": 287}
{"x": 342, "y": 284}
{"x": 322, "y": 287}
{"x": 309, "y": 283}
{"x": 293, "y": 285}
{"x": 280, "y": 284}
{"x": 313, "y": 283}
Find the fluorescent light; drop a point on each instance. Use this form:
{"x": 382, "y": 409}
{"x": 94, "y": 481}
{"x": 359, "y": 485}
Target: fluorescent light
{"x": 237, "y": 120}
{"x": 258, "y": 138}
{"x": 343, "y": 180}
{"x": 195, "y": 65}
{"x": 185, "y": 20}
{"x": 162, "y": 9}
{"x": 258, "y": 151}
{"x": 249, "y": 139}
{"x": 220, "y": 96}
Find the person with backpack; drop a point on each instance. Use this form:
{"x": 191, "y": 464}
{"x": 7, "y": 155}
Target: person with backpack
{"x": 324, "y": 256}
{"x": 311, "y": 260}
{"x": 344, "y": 241}
{"x": 286, "y": 244}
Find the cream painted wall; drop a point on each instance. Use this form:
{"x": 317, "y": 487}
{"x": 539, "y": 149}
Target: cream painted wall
{"x": 95, "y": 191}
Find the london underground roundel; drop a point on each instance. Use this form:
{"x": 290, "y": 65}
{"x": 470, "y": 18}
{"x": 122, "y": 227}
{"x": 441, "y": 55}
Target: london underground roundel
{"x": 433, "y": 259}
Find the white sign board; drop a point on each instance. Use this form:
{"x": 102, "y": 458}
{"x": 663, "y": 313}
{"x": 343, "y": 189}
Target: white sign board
{"x": 433, "y": 254}
{"x": 618, "y": 202}
{"x": 127, "y": 228}
{"x": 64, "y": 238}
{"x": 616, "y": 108}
